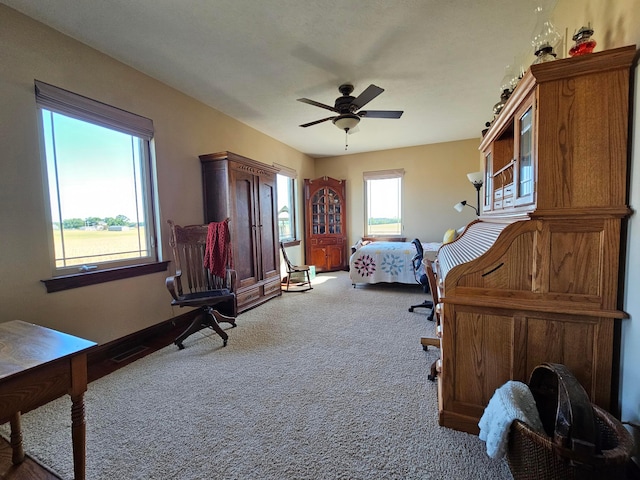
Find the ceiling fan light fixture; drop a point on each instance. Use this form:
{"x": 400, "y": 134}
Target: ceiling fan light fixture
{"x": 347, "y": 121}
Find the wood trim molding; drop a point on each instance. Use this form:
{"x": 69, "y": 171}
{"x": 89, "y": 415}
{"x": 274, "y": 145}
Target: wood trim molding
{"x": 67, "y": 282}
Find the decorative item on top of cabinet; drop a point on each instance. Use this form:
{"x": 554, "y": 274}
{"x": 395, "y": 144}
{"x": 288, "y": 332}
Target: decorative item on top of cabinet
{"x": 244, "y": 190}
{"x": 325, "y": 224}
{"x": 584, "y": 44}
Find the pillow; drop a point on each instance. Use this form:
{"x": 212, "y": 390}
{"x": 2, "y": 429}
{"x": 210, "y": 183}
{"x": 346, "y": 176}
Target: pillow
{"x": 449, "y": 236}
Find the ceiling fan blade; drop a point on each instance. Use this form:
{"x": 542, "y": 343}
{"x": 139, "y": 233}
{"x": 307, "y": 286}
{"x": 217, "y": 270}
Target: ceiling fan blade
{"x": 371, "y": 92}
{"x": 381, "y": 113}
{"x": 317, "y": 122}
{"x": 317, "y": 104}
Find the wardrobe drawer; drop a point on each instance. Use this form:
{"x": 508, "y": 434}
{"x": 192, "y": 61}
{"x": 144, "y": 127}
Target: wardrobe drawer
{"x": 249, "y": 295}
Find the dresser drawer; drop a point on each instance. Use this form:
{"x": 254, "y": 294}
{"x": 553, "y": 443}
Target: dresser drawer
{"x": 249, "y": 295}
{"x": 272, "y": 286}
{"x": 508, "y": 190}
{"x": 330, "y": 241}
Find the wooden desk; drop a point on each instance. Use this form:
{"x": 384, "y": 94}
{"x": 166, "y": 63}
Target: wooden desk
{"x": 38, "y": 365}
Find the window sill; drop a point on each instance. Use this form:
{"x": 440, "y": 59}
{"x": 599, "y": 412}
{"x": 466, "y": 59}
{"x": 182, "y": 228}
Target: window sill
{"x": 384, "y": 238}
{"x": 78, "y": 280}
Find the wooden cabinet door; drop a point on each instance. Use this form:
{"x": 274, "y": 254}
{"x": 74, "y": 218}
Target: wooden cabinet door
{"x": 243, "y": 229}
{"x": 325, "y": 224}
{"x": 335, "y": 256}
{"x": 269, "y": 253}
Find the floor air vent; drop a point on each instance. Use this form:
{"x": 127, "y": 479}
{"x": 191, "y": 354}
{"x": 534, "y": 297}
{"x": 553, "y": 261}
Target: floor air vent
{"x": 121, "y": 357}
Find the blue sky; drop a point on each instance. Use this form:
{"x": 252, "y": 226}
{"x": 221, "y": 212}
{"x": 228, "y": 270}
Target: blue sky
{"x": 95, "y": 168}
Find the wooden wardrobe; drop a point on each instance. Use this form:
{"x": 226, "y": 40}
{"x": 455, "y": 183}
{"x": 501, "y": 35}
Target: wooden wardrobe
{"x": 244, "y": 190}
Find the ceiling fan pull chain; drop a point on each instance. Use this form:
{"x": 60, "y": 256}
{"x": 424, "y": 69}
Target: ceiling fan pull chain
{"x": 346, "y": 139}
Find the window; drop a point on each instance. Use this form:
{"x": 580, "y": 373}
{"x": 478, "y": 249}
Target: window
{"x": 99, "y": 183}
{"x": 383, "y": 200}
{"x": 286, "y": 204}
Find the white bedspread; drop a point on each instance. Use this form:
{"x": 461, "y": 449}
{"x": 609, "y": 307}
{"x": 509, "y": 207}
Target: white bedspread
{"x": 388, "y": 262}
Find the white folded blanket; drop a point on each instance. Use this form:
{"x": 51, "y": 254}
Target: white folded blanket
{"x": 512, "y": 401}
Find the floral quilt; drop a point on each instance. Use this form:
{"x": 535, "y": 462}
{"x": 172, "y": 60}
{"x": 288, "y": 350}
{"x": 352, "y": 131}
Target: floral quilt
{"x": 388, "y": 262}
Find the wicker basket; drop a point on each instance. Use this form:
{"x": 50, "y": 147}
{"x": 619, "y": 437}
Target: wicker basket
{"x": 584, "y": 441}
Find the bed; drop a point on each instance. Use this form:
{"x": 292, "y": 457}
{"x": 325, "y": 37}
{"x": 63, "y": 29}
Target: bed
{"x": 388, "y": 262}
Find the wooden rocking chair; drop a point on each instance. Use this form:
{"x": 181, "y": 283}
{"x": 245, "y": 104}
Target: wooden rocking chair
{"x": 301, "y": 285}
{"x": 194, "y": 285}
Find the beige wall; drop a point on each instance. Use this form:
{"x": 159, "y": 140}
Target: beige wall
{"x": 435, "y": 179}
{"x": 616, "y": 24}
{"x": 184, "y": 127}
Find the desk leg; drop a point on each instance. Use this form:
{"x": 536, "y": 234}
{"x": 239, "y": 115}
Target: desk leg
{"x": 78, "y": 435}
{"x": 78, "y": 425}
{"x": 16, "y": 439}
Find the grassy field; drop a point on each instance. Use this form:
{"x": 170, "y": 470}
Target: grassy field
{"x": 93, "y": 246}
{"x": 385, "y": 229}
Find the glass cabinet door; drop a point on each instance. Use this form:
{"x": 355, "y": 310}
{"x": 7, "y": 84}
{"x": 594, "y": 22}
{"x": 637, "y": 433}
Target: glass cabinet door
{"x": 488, "y": 182}
{"x": 318, "y": 212}
{"x": 326, "y": 212}
{"x": 334, "y": 220}
{"x": 525, "y": 180}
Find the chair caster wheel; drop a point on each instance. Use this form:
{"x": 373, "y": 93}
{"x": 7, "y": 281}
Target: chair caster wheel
{"x": 179, "y": 345}
{"x": 411, "y": 309}
{"x": 425, "y": 348}
{"x": 224, "y": 342}
{"x": 431, "y": 377}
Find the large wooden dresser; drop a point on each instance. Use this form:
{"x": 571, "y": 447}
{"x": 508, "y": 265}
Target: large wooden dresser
{"x": 536, "y": 278}
{"x": 244, "y": 190}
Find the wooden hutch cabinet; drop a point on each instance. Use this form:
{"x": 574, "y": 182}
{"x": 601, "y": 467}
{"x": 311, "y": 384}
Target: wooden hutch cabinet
{"x": 535, "y": 279}
{"x": 244, "y": 190}
{"x": 325, "y": 224}
{"x": 509, "y": 158}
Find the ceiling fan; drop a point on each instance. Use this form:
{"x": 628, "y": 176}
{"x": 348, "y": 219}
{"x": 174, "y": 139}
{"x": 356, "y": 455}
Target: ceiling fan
{"x": 347, "y": 108}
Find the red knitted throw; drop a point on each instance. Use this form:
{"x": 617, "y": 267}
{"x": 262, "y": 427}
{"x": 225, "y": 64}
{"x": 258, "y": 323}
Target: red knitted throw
{"x": 217, "y": 253}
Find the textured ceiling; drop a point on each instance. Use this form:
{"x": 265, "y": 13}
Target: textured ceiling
{"x": 439, "y": 61}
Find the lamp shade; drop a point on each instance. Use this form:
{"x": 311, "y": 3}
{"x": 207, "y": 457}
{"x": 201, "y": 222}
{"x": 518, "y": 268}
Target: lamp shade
{"x": 347, "y": 121}
{"x": 459, "y": 206}
{"x": 476, "y": 177}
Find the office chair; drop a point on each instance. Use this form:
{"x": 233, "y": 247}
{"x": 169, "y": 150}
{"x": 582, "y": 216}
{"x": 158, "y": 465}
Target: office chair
{"x": 423, "y": 280}
{"x": 196, "y": 285}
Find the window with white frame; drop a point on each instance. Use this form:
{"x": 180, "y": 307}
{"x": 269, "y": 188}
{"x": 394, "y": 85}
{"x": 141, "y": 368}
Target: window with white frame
{"x": 383, "y": 201}
{"x": 286, "y": 185}
{"x": 99, "y": 183}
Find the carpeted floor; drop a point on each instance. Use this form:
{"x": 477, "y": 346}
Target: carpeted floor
{"x": 327, "y": 384}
